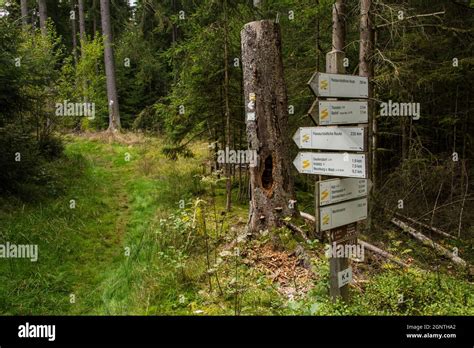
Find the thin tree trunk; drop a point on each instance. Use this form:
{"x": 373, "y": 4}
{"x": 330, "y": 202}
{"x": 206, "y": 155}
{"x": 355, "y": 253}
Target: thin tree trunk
{"x": 24, "y": 13}
{"x": 82, "y": 36}
{"x": 227, "y": 109}
{"x": 266, "y": 100}
{"x": 381, "y": 252}
{"x": 318, "y": 41}
{"x": 429, "y": 242}
{"x": 74, "y": 32}
{"x": 174, "y": 31}
{"x": 216, "y": 148}
{"x": 366, "y": 68}
{"x": 240, "y": 196}
{"x": 114, "y": 116}
{"x": 95, "y": 28}
{"x": 43, "y": 14}
{"x": 174, "y": 39}
{"x": 82, "y": 22}
{"x": 338, "y": 25}
{"x": 242, "y": 181}
{"x": 431, "y": 228}
{"x": 94, "y": 18}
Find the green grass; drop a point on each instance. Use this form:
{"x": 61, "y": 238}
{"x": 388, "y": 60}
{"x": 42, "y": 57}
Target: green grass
{"x": 119, "y": 204}
{"x": 133, "y": 206}
{"x": 115, "y": 202}
{"x": 66, "y": 238}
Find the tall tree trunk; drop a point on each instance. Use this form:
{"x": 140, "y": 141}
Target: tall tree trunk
{"x": 216, "y": 147}
{"x": 74, "y": 31}
{"x": 82, "y": 22}
{"x": 265, "y": 96}
{"x": 94, "y": 18}
{"x": 174, "y": 32}
{"x": 82, "y": 36}
{"x": 227, "y": 108}
{"x": 366, "y": 68}
{"x": 242, "y": 183}
{"x": 240, "y": 196}
{"x": 43, "y": 14}
{"x": 339, "y": 25}
{"x": 24, "y": 13}
{"x": 114, "y": 116}
{"x": 318, "y": 41}
{"x": 175, "y": 4}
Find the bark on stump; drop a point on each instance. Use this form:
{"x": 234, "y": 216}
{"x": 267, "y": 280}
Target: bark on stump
{"x": 266, "y": 106}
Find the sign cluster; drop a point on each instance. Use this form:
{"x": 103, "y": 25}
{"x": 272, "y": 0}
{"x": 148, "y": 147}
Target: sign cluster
{"x": 341, "y": 114}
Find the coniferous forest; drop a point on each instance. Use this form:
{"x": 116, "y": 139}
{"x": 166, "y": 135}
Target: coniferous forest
{"x": 150, "y": 157}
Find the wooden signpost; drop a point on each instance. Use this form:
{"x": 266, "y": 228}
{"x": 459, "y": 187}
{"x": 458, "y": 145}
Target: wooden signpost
{"x": 344, "y": 233}
{"x": 340, "y": 202}
{"x": 339, "y": 85}
{"x": 331, "y": 138}
{"x": 341, "y": 214}
{"x": 332, "y": 164}
{"x": 326, "y": 113}
{"x": 339, "y": 190}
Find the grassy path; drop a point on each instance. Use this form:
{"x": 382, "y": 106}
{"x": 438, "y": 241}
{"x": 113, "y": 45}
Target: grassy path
{"x": 82, "y": 249}
{"x": 126, "y": 248}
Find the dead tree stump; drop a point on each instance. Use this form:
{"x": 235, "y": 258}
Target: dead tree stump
{"x": 266, "y": 105}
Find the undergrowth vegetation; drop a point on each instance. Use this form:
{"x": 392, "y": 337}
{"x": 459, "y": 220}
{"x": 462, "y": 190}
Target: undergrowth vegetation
{"x": 150, "y": 236}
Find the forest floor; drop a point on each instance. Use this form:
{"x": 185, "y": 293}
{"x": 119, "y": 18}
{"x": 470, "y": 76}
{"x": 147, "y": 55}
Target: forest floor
{"x": 125, "y": 230}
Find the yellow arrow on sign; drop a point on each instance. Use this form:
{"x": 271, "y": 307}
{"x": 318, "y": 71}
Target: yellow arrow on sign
{"x": 323, "y": 84}
{"x": 306, "y": 164}
{"x": 324, "y": 114}
{"x": 326, "y": 219}
{"x": 324, "y": 195}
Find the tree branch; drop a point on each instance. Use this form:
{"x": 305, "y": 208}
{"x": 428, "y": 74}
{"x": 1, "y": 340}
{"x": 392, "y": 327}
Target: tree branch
{"x": 410, "y": 17}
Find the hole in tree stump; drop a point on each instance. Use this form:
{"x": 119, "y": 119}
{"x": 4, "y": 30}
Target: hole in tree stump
{"x": 267, "y": 176}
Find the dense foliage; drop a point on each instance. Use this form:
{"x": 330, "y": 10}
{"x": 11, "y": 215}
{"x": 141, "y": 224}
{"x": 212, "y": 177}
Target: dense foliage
{"x": 179, "y": 75}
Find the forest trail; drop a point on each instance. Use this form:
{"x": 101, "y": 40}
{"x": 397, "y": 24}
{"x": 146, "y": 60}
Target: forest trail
{"x": 147, "y": 237}
{"x": 105, "y": 201}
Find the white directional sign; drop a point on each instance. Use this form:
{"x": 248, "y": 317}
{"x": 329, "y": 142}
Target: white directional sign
{"x": 339, "y": 190}
{"x": 341, "y": 214}
{"x": 330, "y": 138}
{"x": 339, "y": 85}
{"x": 344, "y": 277}
{"x": 332, "y": 164}
{"x": 331, "y": 112}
